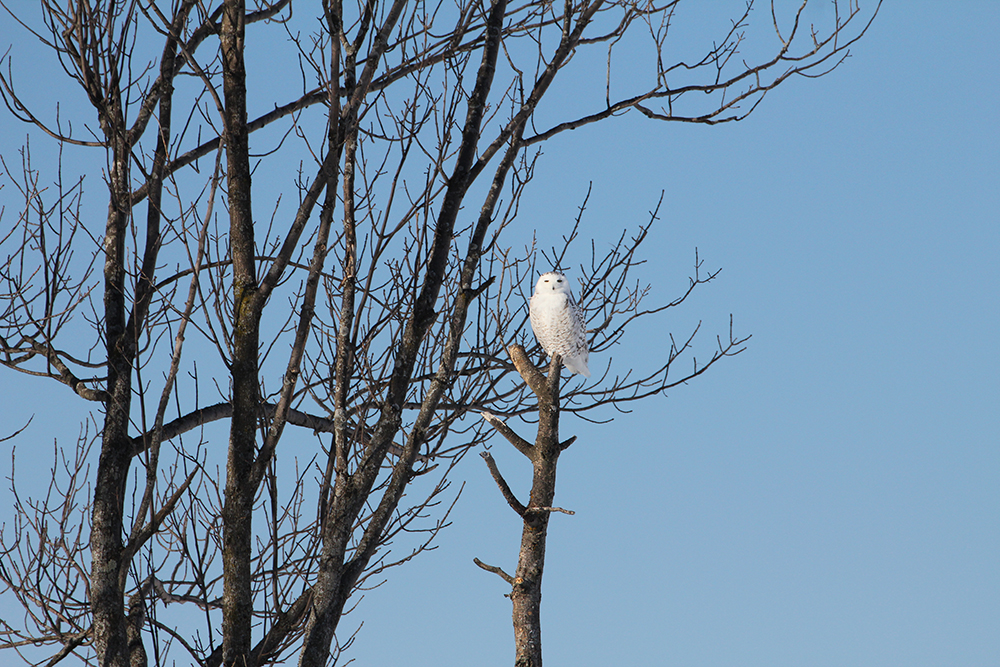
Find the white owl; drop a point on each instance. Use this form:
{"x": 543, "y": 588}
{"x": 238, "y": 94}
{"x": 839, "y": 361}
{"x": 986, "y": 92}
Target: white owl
{"x": 558, "y": 322}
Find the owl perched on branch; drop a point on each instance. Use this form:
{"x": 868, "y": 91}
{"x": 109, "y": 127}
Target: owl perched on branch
{"x": 558, "y": 322}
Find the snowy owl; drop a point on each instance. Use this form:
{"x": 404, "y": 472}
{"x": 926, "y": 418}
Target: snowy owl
{"x": 558, "y": 322}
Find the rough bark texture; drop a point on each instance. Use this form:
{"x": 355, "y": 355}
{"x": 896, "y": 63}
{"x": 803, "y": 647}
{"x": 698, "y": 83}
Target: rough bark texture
{"x": 526, "y": 584}
{"x": 526, "y": 594}
{"x": 107, "y": 597}
{"x": 237, "y": 603}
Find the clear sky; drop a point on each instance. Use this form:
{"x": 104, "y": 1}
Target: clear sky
{"x": 831, "y": 496}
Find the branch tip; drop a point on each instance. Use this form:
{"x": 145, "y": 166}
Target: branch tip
{"x": 495, "y": 570}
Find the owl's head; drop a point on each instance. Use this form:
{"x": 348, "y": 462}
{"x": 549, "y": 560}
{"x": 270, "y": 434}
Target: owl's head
{"x": 552, "y": 282}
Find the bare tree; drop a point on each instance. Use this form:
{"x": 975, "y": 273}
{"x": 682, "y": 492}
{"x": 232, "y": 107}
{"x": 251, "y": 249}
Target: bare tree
{"x": 366, "y": 303}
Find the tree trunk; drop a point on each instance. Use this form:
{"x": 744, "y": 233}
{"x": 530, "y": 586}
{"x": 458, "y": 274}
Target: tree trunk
{"x": 526, "y": 593}
{"x": 526, "y": 584}
{"x": 237, "y": 602}
{"x": 107, "y": 597}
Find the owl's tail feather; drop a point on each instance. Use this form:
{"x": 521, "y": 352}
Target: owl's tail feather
{"x": 577, "y": 365}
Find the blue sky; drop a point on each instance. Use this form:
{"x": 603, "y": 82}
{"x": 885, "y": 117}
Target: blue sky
{"x": 831, "y": 496}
